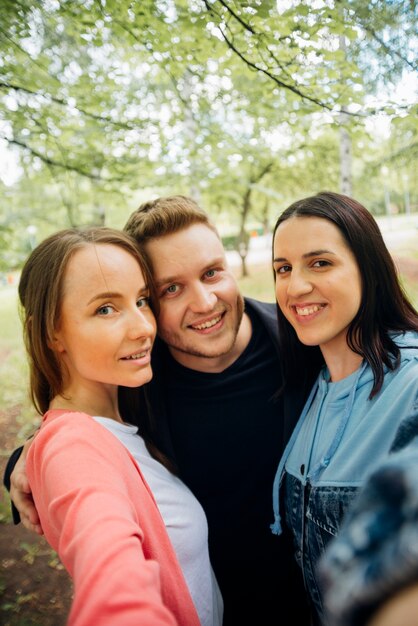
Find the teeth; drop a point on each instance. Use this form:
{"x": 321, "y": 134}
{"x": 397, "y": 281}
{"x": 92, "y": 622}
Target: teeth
{"x": 208, "y": 324}
{"x": 308, "y": 310}
{"x": 140, "y": 355}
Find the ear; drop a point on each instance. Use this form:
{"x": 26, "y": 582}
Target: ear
{"x": 56, "y": 344}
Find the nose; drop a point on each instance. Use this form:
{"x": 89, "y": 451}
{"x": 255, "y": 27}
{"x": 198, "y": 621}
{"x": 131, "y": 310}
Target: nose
{"x": 142, "y": 324}
{"x": 203, "y": 299}
{"x": 298, "y": 284}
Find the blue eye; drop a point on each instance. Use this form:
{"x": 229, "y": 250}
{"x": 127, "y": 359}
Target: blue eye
{"x": 105, "y": 310}
{"x": 172, "y": 289}
{"x": 142, "y": 302}
{"x": 211, "y": 273}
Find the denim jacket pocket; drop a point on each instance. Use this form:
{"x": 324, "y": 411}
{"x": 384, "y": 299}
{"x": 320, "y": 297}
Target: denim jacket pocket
{"x": 326, "y": 507}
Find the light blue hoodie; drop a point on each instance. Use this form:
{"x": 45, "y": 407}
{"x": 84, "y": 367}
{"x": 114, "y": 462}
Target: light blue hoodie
{"x": 339, "y": 439}
{"x": 341, "y": 434}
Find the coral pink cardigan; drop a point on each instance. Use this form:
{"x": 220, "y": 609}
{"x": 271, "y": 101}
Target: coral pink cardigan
{"x": 100, "y": 516}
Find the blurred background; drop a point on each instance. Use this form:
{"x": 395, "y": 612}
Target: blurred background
{"x": 246, "y": 106}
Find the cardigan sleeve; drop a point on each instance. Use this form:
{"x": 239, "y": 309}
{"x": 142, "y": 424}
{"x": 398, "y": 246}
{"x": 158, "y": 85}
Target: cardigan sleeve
{"x": 78, "y": 474}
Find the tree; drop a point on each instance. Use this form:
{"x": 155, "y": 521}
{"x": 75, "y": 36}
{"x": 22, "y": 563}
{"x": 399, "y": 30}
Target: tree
{"x": 103, "y": 98}
{"x": 331, "y": 54}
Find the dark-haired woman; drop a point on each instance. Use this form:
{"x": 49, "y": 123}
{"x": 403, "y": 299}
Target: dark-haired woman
{"x": 340, "y": 307}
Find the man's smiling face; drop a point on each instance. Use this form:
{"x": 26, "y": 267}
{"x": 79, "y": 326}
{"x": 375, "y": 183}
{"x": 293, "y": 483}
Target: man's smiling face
{"x": 200, "y": 305}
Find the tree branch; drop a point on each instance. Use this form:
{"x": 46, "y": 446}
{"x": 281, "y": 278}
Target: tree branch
{"x": 256, "y": 179}
{"x": 236, "y": 16}
{"x": 252, "y": 65}
{"x": 51, "y": 162}
{"x": 278, "y": 82}
{"x": 64, "y": 103}
{"x": 389, "y": 50}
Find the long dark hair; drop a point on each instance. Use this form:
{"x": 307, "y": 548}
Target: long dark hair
{"x": 384, "y": 306}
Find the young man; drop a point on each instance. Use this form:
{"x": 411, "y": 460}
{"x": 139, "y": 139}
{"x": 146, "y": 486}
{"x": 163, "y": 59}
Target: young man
{"x": 213, "y": 410}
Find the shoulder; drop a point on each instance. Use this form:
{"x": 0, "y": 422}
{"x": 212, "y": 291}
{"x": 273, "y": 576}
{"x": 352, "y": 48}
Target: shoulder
{"x": 57, "y": 419}
{"x": 266, "y": 311}
{"x": 405, "y": 376}
{"x": 265, "y": 314}
{"x": 63, "y": 429}
{"x": 405, "y": 373}
{"x": 261, "y": 307}
{"x": 408, "y": 345}
{"x": 73, "y": 449}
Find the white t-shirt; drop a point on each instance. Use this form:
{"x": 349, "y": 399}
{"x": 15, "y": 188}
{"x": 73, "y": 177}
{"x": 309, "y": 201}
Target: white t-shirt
{"x": 184, "y": 520}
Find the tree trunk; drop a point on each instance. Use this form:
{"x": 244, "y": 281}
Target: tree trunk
{"x": 345, "y": 157}
{"x": 243, "y": 237}
{"x": 190, "y": 133}
{"x": 345, "y": 140}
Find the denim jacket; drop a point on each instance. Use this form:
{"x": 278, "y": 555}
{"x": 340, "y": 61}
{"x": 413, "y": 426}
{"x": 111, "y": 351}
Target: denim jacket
{"x": 376, "y": 552}
{"x": 340, "y": 437}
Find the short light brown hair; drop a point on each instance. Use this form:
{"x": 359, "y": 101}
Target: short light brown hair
{"x": 41, "y": 292}
{"x": 165, "y": 216}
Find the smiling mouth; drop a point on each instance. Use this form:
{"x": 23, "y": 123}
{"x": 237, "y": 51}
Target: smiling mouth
{"x": 207, "y": 324}
{"x": 308, "y": 310}
{"x": 134, "y": 357}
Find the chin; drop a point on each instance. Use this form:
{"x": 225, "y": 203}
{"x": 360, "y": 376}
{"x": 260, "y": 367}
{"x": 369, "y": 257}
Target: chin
{"x": 141, "y": 381}
{"x": 308, "y": 342}
{"x": 217, "y": 348}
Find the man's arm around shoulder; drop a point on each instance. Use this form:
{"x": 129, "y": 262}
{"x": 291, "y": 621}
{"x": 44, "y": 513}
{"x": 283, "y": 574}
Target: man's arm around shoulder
{"x": 16, "y": 482}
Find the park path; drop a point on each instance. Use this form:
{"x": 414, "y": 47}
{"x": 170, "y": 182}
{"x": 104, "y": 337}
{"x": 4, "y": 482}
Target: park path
{"x": 401, "y": 238}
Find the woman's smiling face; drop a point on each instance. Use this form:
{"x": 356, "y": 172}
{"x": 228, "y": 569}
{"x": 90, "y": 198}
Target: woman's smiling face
{"x": 106, "y": 327}
{"x": 318, "y": 281}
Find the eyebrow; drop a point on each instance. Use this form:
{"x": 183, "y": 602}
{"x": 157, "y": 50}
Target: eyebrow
{"x": 165, "y": 281}
{"x": 175, "y": 278}
{"x": 105, "y": 295}
{"x": 307, "y": 255}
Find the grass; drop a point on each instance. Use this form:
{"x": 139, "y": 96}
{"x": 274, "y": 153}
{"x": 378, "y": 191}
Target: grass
{"x": 259, "y": 284}
{"x": 10, "y": 326}
{"x": 13, "y": 369}
{"x": 412, "y": 291}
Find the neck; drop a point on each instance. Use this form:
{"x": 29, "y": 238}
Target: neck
{"x": 101, "y": 404}
{"x": 342, "y": 365}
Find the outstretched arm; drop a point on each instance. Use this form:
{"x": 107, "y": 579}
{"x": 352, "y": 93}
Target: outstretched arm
{"x": 99, "y": 515}
{"x": 399, "y": 609}
{"x": 374, "y": 558}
